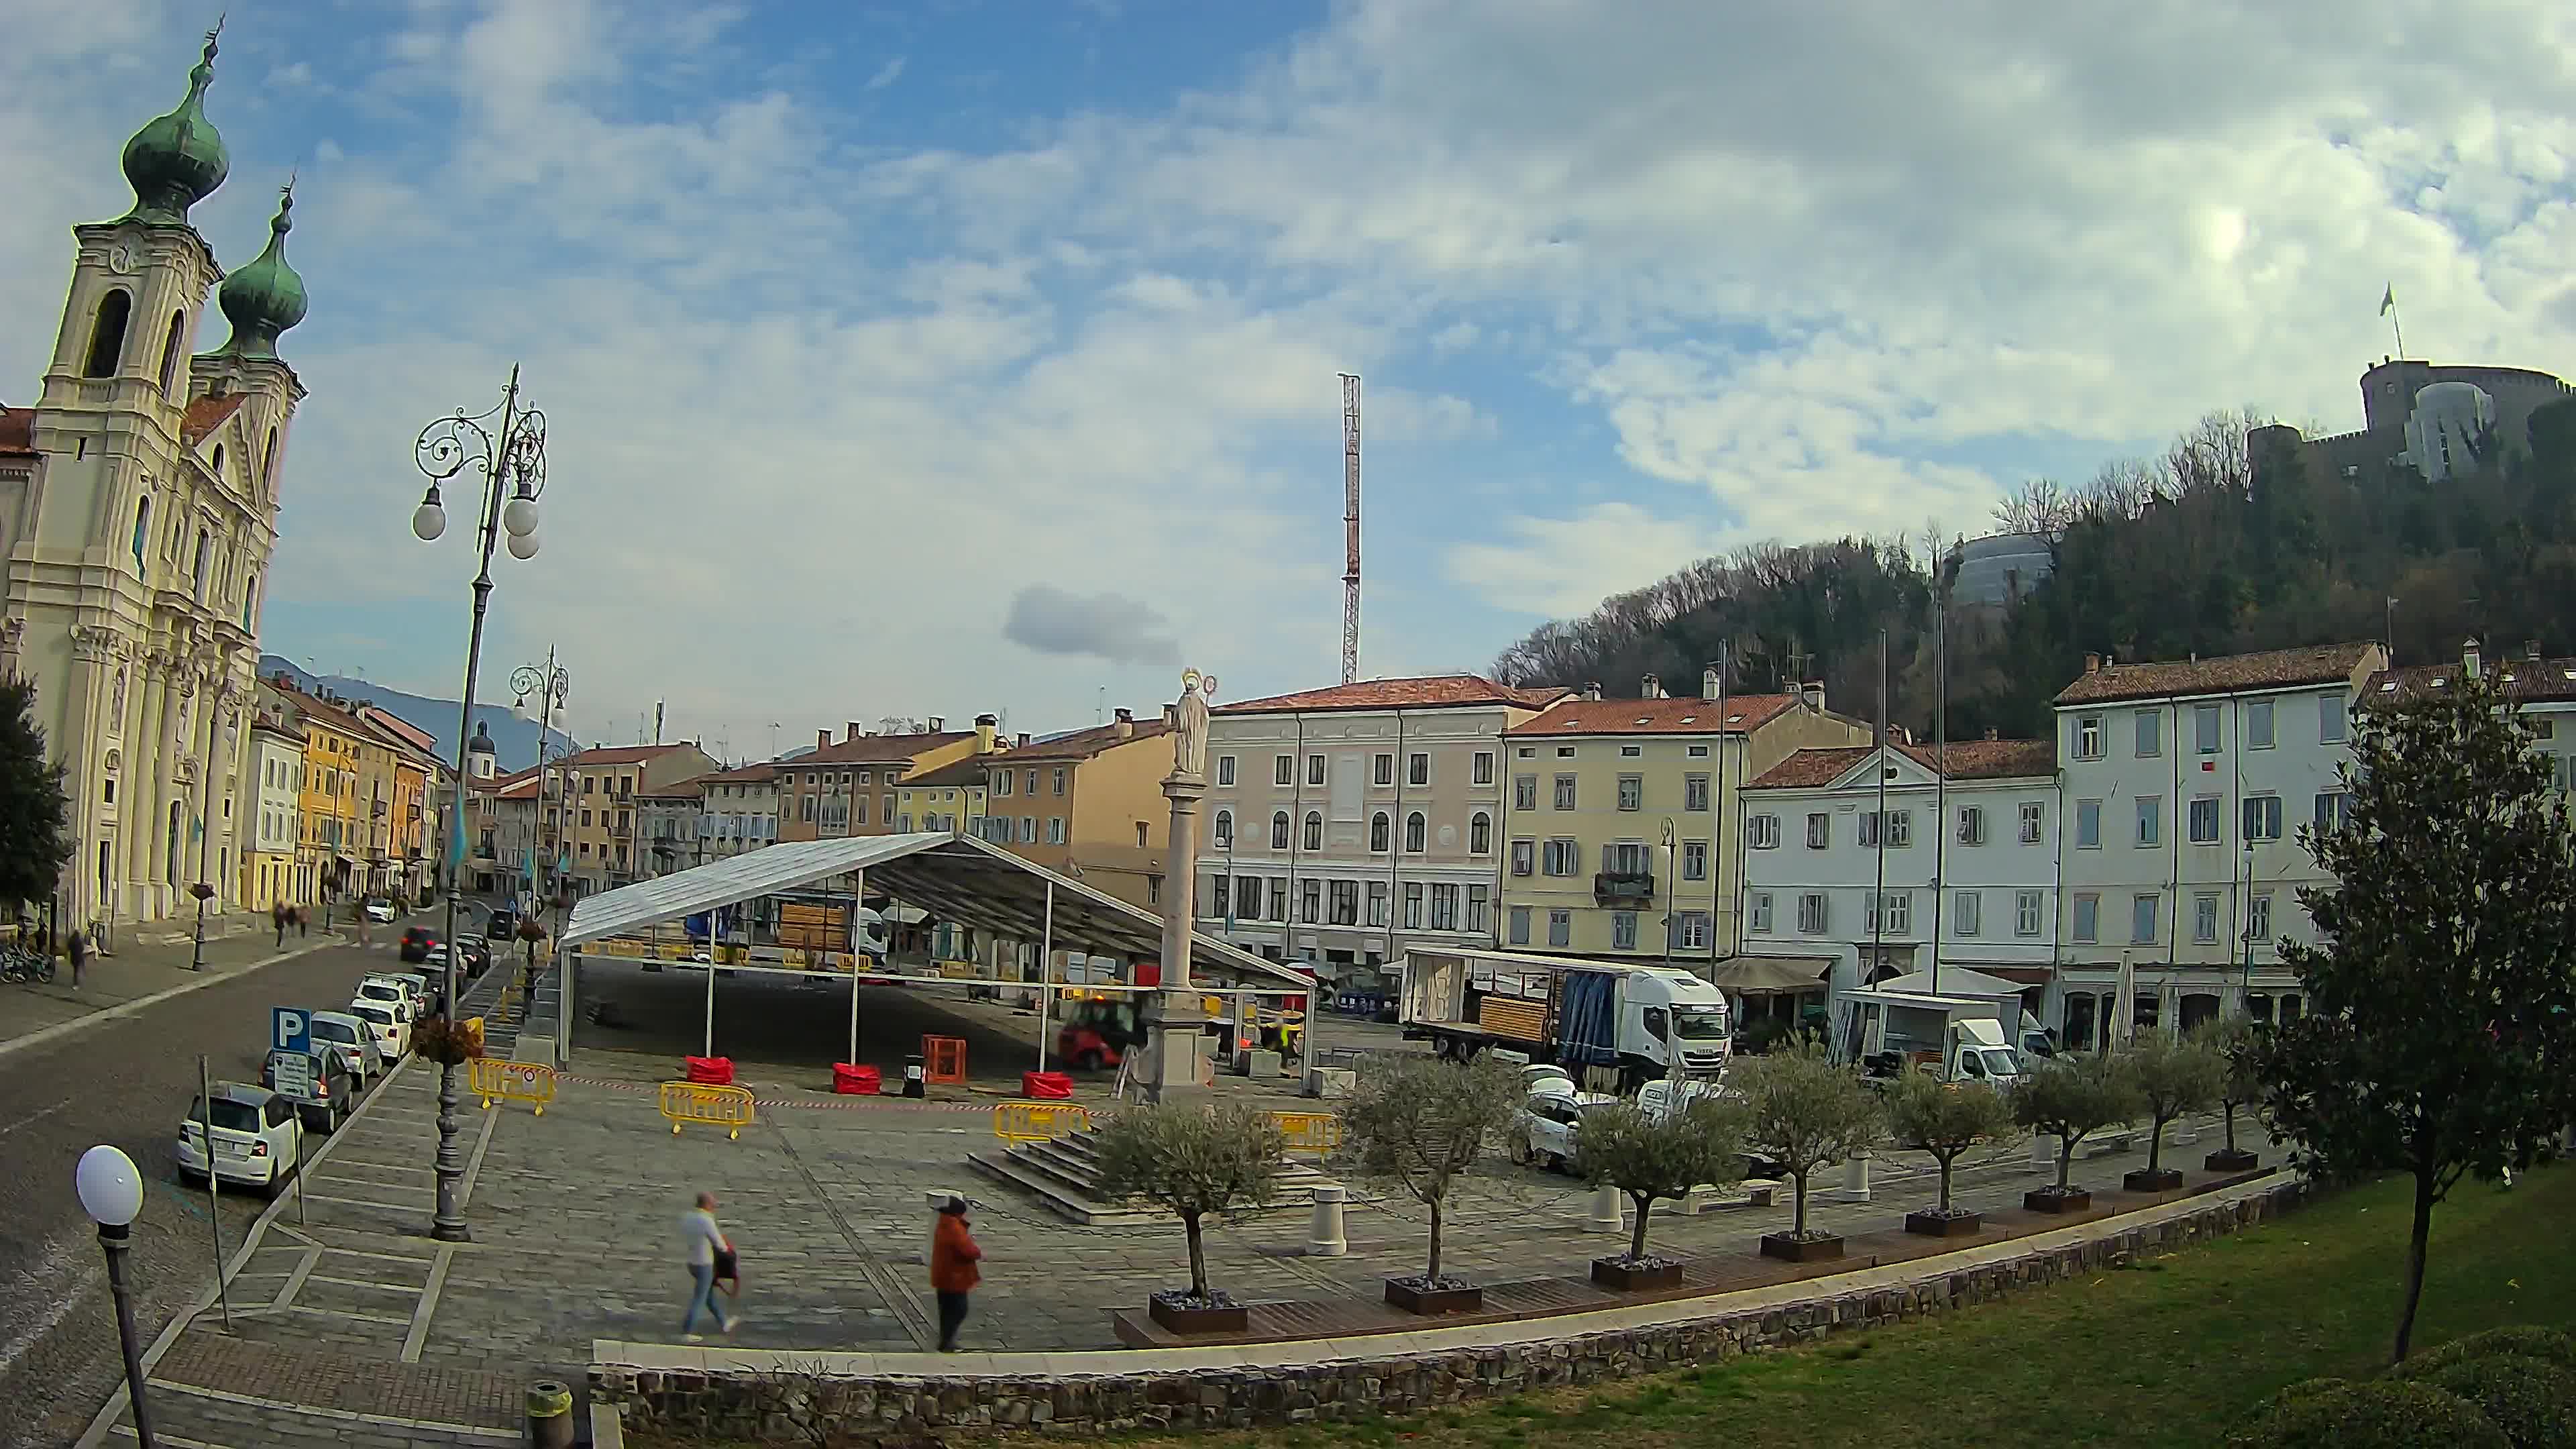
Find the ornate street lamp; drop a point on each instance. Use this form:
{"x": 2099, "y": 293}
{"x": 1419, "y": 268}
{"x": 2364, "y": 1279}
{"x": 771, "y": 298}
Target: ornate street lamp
{"x": 555, "y": 684}
{"x": 111, "y": 1192}
{"x": 510, "y": 456}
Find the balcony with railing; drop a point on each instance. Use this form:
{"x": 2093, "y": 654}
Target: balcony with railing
{"x": 1623, "y": 888}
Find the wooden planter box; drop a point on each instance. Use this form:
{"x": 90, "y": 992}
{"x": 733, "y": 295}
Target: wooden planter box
{"x": 2163, "y": 1179}
{"x": 1934, "y": 1225}
{"x": 1232, "y": 1318}
{"x": 1793, "y": 1250}
{"x": 2048, "y": 1200}
{"x": 1620, "y": 1277}
{"x": 1433, "y": 1300}
{"x": 2231, "y": 1159}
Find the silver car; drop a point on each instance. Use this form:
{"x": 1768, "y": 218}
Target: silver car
{"x": 353, "y": 1039}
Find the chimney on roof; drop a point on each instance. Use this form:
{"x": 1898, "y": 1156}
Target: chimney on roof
{"x": 1813, "y": 692}
{"x": 938, "y": 724}
{"x": 1653, "y": 688}
{"x": 2531, "y": 650}
{"x": 1024, "y": 739}
{"x": 986, "y": 726}
{"x": 1592, "y": 690}
{"x": 822, "y": 739}
{"x": 851, "y": 730}
{"x": 1126, "y": 724}
{"x": 2469, "y": 657}
{"x": 1710, "y": 686}
{"x": 2092, "y": 663}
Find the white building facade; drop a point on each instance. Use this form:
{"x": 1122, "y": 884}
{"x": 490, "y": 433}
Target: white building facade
{"x": 1962, "y": 870}
{"x": 740, "y": 811}
{"x": 1342, "y": 825}
{"x": 2185, "y": 784}
{"x": 275, "y": 767}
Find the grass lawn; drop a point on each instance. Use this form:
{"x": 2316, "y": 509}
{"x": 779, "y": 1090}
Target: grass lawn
{"x": 2168, "y": 1353}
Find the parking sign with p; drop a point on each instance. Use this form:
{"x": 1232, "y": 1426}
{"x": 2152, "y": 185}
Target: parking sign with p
{"x": 290, "y": 1029}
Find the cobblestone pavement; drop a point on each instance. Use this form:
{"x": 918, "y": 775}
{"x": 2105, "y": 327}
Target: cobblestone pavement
{"x": 575, "y": 1239}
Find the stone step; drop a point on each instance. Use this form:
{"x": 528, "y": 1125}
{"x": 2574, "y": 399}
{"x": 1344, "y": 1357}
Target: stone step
{"x": 1033, "y": 1158}
{"x": 1057, "y": 1197}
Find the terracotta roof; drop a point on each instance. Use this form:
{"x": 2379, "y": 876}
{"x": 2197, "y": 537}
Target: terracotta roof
{"x": 1438, "y": 691}
{"x": 2526, "y": 681}
{"x": 761, "y": 773}
{"x": 1083, "y": 744}
{"x": 207, "y": 414}
{"x": 1740, "y": 713}
{"x": 875, "y": 749}
{"x": 1968, "y": 760}
{"x": 2272, "y": 669}
{"x": 332, "y": 715}
{"x": 18, "y": 431}
{"x": 693, "y": 788}
{"x": 619, "y": 754}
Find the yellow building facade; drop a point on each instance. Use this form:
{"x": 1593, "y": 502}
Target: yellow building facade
{"x": 1620, "y": 822}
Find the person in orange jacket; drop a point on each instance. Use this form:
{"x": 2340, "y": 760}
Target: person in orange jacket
{"x": 953, "y": 1256}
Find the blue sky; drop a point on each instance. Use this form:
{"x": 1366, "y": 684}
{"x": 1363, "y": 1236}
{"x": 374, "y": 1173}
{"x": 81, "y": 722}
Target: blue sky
{"x": 932, "y": 358}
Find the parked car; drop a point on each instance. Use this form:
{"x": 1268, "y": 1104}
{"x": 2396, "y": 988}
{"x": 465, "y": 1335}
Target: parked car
{"x": 416, "y": 941}
{"x": 502, "y": 924}
{"x": 378, "y": 909}
{"x": 1537, "y": 1076}
{"x": 392, "y": 1029}
{"x": 258, "y": 1138}
{"x": 1544, "y": 1129}
{"x": 475, "y": 957}
{"x": 396, "y": 994}
{"x": 334, "y": 1089}
{"x": 354, "y": 1040}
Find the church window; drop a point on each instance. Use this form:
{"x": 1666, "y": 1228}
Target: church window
{"x": 268, "y": 462}
{"x": 219, "y": 461}
{"x": 205, "y": 543}
{"x": 142, "y": 527}
{"x": 107, "y": 335}
{"x": 170, "y": 352}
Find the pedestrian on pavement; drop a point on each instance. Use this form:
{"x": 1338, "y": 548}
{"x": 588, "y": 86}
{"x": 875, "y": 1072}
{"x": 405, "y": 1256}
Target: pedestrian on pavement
{"x": 953, "y": 1275}
{"x": 701, "y": 1240}
{"x": 277, "y": 918}
{"x": 78, "y": 947}
{"x": 303, "y": 923}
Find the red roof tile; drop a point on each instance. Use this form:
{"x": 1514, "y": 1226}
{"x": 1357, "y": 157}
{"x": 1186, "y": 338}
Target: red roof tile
{"x": 2271, "y": 669}
{"x": 207, "y": 414}
{"x": 761, "y": 773}
{"x": 1968, "y": 760}
{"x": 2526, "y": 681}
{"x": 18, "y": 431}
{"x": 1738, "y": 714}
{"x": 620, "y": 754}
{"x": 1083, "y": 744}
{"x": 1438, "y": 691}
{"x": 874, "y": 749}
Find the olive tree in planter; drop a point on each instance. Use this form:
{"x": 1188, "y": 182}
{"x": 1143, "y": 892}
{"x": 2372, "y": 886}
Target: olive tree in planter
{"x": 1943, "y": 1120}
{"x": 1417, "y": 1123}
{"x": 2071, "y": 1098}
{"x": 2239, "y": 1086}
{"x": 2171, "y": 1078}
{"x": 1196, "y": 1161}
{"x": 1651, "y": 1155}
{"x": 1802, "y": 1111}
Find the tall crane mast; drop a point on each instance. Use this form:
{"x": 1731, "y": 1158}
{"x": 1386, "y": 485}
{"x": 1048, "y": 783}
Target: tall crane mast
{"x": 1350, "y": 527}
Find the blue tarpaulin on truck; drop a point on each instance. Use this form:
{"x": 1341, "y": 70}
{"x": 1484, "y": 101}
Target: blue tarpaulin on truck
{"x": 1587, "y": 1024}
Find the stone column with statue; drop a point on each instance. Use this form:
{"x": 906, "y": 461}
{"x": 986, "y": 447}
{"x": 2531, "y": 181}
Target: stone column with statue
{"x": 1175, "y": 1060}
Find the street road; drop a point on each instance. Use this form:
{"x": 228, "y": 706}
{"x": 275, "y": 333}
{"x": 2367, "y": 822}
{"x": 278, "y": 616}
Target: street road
{"x": 125, "y": 1082}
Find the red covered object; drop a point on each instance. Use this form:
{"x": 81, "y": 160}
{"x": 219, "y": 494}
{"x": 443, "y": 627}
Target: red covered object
{"x": 711, "y": 1071}
{"x": 1045, "y": 1086}
{"x": 851, "y": 1080}
{"x": 1148, "y": 973}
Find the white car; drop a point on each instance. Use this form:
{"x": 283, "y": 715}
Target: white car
{"x": 379, "y": 910}
{"x": 353, "y": 1039}
{"x": 1543, "y": 1131}
{"x": 1544, "y": 1076}
{"x": 258, "y": 1137}
{"x": 392, "y": 1029}
{"x": 385, "y": 991}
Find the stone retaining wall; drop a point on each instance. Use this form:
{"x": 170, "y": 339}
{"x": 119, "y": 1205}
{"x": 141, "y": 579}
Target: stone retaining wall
{"x": 903, "y": 1410}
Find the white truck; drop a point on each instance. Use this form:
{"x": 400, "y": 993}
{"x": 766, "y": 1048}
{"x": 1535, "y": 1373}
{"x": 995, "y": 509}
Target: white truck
{"x": 1956, "y": 1038}
{"x": 1610, "y": 1024}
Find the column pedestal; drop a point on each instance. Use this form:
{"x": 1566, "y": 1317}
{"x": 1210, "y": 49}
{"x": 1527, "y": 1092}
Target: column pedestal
{"x": 1174, "y": 1063}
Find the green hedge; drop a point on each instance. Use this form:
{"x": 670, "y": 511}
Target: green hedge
{"x": 2379, "y": 1414}
{"x": 2517, "y": 1341}
{"x": 2532, "y": 1401}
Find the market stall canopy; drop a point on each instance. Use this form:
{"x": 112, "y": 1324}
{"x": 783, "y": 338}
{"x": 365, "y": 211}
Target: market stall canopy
{"x": 1756, "y": 975}
{"x": 953, "y": 877}
{"x": 1955, "y": 981}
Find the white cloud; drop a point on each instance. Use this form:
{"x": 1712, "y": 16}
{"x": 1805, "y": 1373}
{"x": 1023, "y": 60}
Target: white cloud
{"x": 886, "y": 74}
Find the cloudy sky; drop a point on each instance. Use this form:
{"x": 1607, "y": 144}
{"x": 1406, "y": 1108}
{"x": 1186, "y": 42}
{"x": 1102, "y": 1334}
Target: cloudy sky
{"x": 929, "y": 358}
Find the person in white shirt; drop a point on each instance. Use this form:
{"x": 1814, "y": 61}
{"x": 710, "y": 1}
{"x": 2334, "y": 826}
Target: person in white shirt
{"x": 701, "y": 1240}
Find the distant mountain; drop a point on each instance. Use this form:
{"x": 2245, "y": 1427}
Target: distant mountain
{"x": 514, "y": 740}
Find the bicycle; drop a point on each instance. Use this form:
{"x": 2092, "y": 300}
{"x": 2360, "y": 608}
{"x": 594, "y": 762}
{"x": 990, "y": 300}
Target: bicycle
{"x": 20, "y": 966}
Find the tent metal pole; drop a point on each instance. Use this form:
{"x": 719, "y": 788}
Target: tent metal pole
{"x": 1046, "y": 975}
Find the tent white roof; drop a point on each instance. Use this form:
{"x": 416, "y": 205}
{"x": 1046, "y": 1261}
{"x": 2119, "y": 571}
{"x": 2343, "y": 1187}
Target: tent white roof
{"x": 953, "y": 877}
{"x": 1955, "y": 981}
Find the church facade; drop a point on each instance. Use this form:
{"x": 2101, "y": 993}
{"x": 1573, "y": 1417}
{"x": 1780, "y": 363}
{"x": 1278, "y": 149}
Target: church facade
{"x": 138, "y": 513}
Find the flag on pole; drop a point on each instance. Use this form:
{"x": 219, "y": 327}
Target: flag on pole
{"x": 2387, "y": 299}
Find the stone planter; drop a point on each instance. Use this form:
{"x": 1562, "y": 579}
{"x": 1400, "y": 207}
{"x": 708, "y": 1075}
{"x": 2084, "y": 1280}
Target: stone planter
{"x": 2050, "y": 1200}
{"x": 2162, "y": 1179}
{"x": 2231, "y": 1159}
{"x": 1414, "y": 1296}
{"x": 1935, "y": 1225}
{"x": 1622, "y": 1277}
{"x": 1183, "y": 1314}
{"x": 1789, "y": 1249}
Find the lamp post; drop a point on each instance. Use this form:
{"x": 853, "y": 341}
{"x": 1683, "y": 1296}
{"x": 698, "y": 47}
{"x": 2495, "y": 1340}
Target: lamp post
{"x": 204, "y": 893}
{"x": 111, "y": 1192}
{"x": 554, "y": 684}
{"x": 512, "y": 462}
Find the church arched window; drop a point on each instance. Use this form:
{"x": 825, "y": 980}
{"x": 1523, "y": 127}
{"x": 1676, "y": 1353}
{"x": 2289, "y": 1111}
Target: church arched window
{"x": 170, "y": 352}
{"x": 142, "y": 529}
{"x": 268, "y": 463}
{"x": 219, "y": 462}
{"x": 107, "y": 334}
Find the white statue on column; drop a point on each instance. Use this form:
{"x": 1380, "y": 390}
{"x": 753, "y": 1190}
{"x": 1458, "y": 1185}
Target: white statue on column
{"x": 1175, "y": 1022}
{"x": 1190, "y": 725}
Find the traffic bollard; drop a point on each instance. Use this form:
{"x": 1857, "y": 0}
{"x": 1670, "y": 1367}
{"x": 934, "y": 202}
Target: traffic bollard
{"x": 1608, "y": 1205}
{"x": 1325, "y": 1237}
{"x": 550, "y": 1415}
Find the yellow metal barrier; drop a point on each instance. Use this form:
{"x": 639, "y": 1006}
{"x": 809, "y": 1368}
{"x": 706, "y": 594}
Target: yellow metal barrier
{"x": 1316, "y": 1132}
{"x": 1038, "y": 1121}
{"x": 726, "y": 1107}
{"x": 499, "y": 1081}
